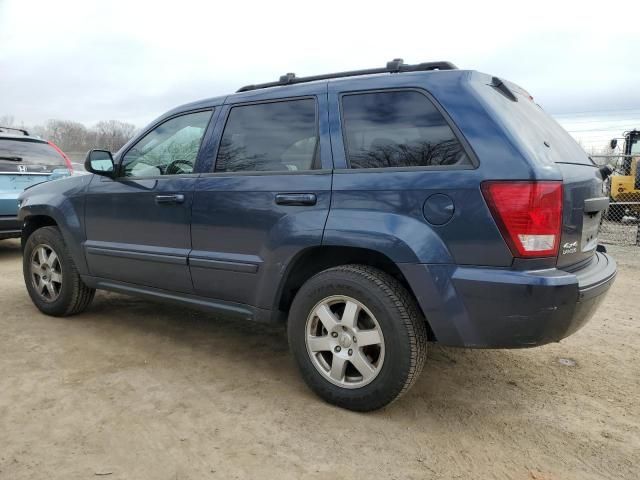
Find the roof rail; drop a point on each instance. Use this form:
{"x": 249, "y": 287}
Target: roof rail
{"x": 397, "y": 65}
{"x": 24, "y": 132}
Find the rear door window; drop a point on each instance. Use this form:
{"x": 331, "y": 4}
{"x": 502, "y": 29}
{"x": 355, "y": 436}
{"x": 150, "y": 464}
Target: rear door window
{"x": 398, "y": 129}
{"x": 270, "y": 137}
{"x": 28, "y": 155}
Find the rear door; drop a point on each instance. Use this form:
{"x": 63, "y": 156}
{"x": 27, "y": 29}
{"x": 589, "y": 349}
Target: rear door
{"x": 266, "y": 196}
{"x": 138, "y": 223}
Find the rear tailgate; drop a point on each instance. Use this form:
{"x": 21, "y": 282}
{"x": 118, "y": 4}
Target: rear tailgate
{"x": 584, "y": 205}
{"x": 12, "y": 184}
{"x": 547, "y": 143}
{"x": 25, "y": 162}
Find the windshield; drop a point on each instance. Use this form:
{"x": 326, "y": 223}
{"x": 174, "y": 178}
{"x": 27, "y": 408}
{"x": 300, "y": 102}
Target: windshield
{"x": 17, "y": 155}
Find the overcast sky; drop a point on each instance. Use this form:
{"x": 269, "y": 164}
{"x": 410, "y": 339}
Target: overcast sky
{"x": 131, "y": 61}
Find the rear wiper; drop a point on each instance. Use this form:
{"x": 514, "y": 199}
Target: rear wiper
{"x": 12, "y": 159}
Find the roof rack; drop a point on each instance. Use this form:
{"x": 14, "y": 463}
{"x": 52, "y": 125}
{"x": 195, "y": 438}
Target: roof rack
{"x": 397, "y": 65}
{"x": 24, "y": 132}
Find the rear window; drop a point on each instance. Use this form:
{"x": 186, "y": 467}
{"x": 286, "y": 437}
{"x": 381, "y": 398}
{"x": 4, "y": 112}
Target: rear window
{"x": 398, "y": 129}
{"x": 537, "y": 132}
{"x": 29, "y": 153}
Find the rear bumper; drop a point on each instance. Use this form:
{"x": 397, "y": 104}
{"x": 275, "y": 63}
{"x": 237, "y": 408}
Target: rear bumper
{"x": 503, "y": 308}
{"x": 9, "y": 203}
{"x": 10, "y": 227}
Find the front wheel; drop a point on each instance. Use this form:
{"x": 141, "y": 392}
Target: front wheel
{"x": 358, "y": 337}
{"x": 50, "y": 275}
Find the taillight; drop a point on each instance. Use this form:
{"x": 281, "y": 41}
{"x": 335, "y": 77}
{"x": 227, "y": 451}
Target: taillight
{"x": 529, "y": 215}
{"x": 64, "y": 155}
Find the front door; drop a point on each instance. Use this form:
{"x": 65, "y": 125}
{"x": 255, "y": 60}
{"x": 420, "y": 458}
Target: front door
{"x": 267, "y": 196}
{"x": 138, "y": 223}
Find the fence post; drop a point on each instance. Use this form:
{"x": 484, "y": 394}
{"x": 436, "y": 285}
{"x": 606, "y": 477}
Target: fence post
{"x": 638, "y": 234}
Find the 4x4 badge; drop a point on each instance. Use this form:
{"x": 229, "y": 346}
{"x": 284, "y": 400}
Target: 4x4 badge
{"x": 569, "y": 247}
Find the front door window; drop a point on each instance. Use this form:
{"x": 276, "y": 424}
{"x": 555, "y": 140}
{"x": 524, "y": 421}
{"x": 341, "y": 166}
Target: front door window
{"x": 169, "y": 149}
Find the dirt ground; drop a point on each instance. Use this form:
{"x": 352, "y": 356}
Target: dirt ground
{"x": 138, "y": 390}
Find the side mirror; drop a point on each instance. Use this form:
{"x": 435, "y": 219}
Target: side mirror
{"x": 99, "y": 162}
{"x": 613, "y": 144}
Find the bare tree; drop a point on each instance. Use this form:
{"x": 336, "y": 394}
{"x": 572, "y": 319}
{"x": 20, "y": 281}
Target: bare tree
{"x": 68, "y": 135}
{"x": 112, "y": 134}
{"x": 6, "y": 120}
{"x": 73, "y": 136}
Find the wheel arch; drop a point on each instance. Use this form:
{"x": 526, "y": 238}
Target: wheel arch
{"x": 32, "y": 223}
{"x": 37, "y": 216}
{"x": 313, "y": 260}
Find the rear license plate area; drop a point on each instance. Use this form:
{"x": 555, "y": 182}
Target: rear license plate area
{"x": 590, "y": 229}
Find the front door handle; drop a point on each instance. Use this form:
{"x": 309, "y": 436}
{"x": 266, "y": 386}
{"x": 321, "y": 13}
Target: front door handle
{"x": 169, "y": 199}
{"x": 299, "y": 199}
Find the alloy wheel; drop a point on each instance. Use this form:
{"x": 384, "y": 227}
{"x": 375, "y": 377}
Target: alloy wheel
{"x": 344, "y": 341}
{"x": 46, "y": 272}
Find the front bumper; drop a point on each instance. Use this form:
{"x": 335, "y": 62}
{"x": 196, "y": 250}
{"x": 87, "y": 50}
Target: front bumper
{"x": 503, "y": 308}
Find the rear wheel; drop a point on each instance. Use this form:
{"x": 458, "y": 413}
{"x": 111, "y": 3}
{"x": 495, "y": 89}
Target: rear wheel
{"x": 358, "y": 337}
{"x": 50, "y": 275}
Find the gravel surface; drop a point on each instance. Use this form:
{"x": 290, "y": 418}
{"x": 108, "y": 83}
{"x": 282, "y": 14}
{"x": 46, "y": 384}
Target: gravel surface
{"x": 137, "y": 390}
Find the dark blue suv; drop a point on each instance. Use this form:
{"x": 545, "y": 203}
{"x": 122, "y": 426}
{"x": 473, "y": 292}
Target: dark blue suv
{"x": 370, "y": 211}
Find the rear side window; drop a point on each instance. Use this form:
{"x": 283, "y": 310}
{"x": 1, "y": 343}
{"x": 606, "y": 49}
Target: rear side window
{"x": 30, "y": 153}
{"x": 397, "y": 129}
{"x": 536, "y": 132}
{"x": 278, "y": 136}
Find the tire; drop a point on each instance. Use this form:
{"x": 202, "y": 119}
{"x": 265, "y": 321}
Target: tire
{"x": 396, "y": 322}
{"x": 64, "y": 292}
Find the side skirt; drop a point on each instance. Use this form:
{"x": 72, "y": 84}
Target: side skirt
{"x": 237, "y": 310}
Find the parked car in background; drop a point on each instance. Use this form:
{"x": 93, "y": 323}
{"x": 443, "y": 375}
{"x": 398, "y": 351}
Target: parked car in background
{"x": 370, "y": 210}
{"x": 78, "y": 168}
{"x": 24, "y": 161}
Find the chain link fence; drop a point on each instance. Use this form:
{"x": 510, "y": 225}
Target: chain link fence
{"x": 621, "y": 222}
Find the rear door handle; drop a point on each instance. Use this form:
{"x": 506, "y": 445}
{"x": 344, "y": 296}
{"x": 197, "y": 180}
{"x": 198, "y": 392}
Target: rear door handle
{"x": 169, "y": 199}
{"x": 296, "y": 199}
